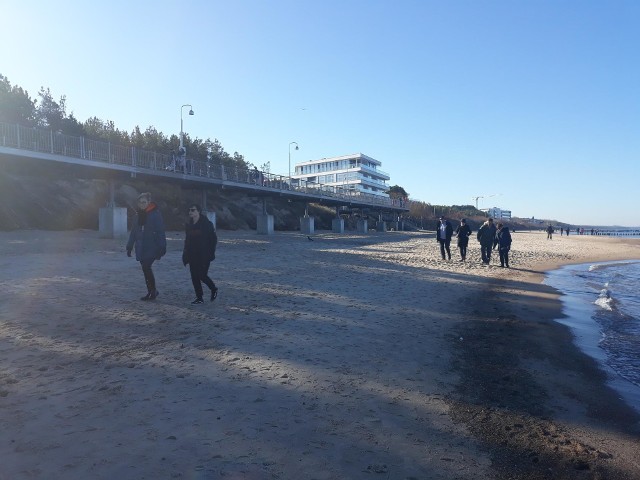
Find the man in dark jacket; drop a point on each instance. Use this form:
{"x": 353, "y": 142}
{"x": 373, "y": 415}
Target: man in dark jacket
{"x": 149, "y": 239}
{"x": 486, "y": 236}
{"x": 444, "y": 231}
{"x": 199, "y": 251}
{"x": 503, "y": 242}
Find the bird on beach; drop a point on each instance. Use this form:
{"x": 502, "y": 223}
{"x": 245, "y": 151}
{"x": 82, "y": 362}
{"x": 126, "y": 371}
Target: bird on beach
{"x": 309, "y": 238}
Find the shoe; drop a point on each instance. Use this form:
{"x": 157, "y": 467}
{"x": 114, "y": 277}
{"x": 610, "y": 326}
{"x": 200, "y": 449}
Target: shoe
{"x": 197, "y": 301}
{"x": 150, "y": 296}
{"x": 214, "y": 293}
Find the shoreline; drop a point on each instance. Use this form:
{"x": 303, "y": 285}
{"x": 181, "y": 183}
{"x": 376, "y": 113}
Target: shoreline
{"x": 335, "y": 358}
{"x": 587, "y": 335}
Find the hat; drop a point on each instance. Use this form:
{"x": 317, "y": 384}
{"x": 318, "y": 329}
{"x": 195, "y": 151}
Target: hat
{"x": 442, "y": 217}
{"x": 463, "y": 221}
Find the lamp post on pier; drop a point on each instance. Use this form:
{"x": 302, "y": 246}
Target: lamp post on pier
{"x": 181, "y": 132}
{"x": 297, "y": 148}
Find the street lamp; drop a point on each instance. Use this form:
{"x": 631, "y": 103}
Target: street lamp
{"x": 181, "y": 134}
{"x": 296, "y": 144}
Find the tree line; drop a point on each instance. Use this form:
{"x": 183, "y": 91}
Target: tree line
{"x": 17, "y": 107}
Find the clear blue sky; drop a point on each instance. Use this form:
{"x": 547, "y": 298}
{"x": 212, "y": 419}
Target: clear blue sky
{"x": 538, "y": 101}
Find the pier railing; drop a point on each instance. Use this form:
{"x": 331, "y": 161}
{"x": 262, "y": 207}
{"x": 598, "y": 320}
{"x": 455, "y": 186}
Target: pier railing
{"x": 55, "y": 143}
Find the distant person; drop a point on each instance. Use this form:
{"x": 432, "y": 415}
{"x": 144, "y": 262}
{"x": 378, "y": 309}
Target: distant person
{"x": 549, "y": 232}
{"x": 444, "y": 233}
{"x": 503, "y": 242}
{"x": 568, "y": 231}
{"x": 463, "y": 232}
{"x": 486, "y": 235}
{"x": 199, "y": 251}
{"x": 561, "y": 231}
{"x": 149, "y": 240}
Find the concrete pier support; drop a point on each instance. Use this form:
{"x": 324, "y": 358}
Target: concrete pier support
{"x": 382, "y": 226}
{"x": 265, "y": 221}
{"x": 112, "y": 222}
{"x": 362, "y": 226}
{"x": 337, "y": 225}
{"x": 307, "y": 225}
{"x": 212, "y": 218}
{"x": 265, "y": 224}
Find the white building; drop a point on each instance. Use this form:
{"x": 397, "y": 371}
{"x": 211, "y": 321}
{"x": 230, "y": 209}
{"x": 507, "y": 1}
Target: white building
{"x": 497, "y": 213}
{"x": 356, "y": 173}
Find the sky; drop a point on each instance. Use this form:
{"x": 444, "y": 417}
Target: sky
{"x": 533, "y": 106}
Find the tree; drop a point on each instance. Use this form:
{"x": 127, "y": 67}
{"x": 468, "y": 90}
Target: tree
{"x": 265, "y": 167}
{"x": 397, "y": 192}
{"x": 49, "y": 113}
{"x": 17, "y": 107}
{"x": 15, "y": 104}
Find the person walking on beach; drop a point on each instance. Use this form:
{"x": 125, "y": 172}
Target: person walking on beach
{"x": 149, "y": 240}
{"x": 549, "y": 232}
{"x": 503, "y": 242}
{"x": 486, "y": 235}
{"x": 463, "y": 232}
{"x": 444, "y": 232}
{"x": 199, "y": 251}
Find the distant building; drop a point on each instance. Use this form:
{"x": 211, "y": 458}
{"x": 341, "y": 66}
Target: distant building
{"x": 355, "y": 173}
{"x": 497, "y": 213}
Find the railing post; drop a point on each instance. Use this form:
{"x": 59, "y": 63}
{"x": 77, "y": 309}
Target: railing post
{"x": 18, "y": 134}
{"x": 109, "y": 152}
{"x": 133, "y": 156}
{"x": 51, "y": 138}
{"x": 82, "y": 152}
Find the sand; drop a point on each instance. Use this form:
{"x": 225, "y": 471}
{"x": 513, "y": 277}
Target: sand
{"x": 345, "y": 357}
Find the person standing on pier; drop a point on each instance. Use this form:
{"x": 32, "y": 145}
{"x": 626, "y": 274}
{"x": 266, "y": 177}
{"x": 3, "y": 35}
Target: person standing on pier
{"x": 149, "y": 240}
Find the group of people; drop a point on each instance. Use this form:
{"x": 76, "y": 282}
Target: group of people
{"x": 489, "y": 236}
{"x": 149, "y": 241}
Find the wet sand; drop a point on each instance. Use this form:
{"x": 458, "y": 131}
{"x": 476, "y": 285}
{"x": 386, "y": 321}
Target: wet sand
{"x": 346, "y": 357}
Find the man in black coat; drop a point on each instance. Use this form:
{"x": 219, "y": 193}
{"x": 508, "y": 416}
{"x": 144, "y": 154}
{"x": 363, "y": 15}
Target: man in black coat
{"x": 486, "y": 235}
{"x": 444, "y": 231}
{"x": 199, "y": 251}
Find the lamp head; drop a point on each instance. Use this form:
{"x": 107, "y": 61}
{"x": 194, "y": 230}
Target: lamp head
{"x": 190, "y": 112}
{"x": 297, "y": 147}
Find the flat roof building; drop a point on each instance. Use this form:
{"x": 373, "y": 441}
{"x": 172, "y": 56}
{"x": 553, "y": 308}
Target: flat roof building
{"x": 497, "y": 213}
{"x": 356, "y": 173}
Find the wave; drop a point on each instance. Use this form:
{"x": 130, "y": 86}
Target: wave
{"x": 605, "y": 300}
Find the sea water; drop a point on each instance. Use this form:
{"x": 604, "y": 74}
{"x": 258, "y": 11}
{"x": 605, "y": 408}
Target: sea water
{"x": 602, "y": 307}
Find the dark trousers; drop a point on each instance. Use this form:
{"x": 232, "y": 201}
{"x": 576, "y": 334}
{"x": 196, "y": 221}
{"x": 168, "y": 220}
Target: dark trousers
{"x": 463, "y": 251}
{"x": 485, "y": 250}
{"x": 149, "y": 279}
{"x": 200, "y": 275}
{"x": 444, "y": 245}
{"x": 504, "y": 257}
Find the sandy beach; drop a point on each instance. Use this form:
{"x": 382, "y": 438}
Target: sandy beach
{"x": 345, "y": 357}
